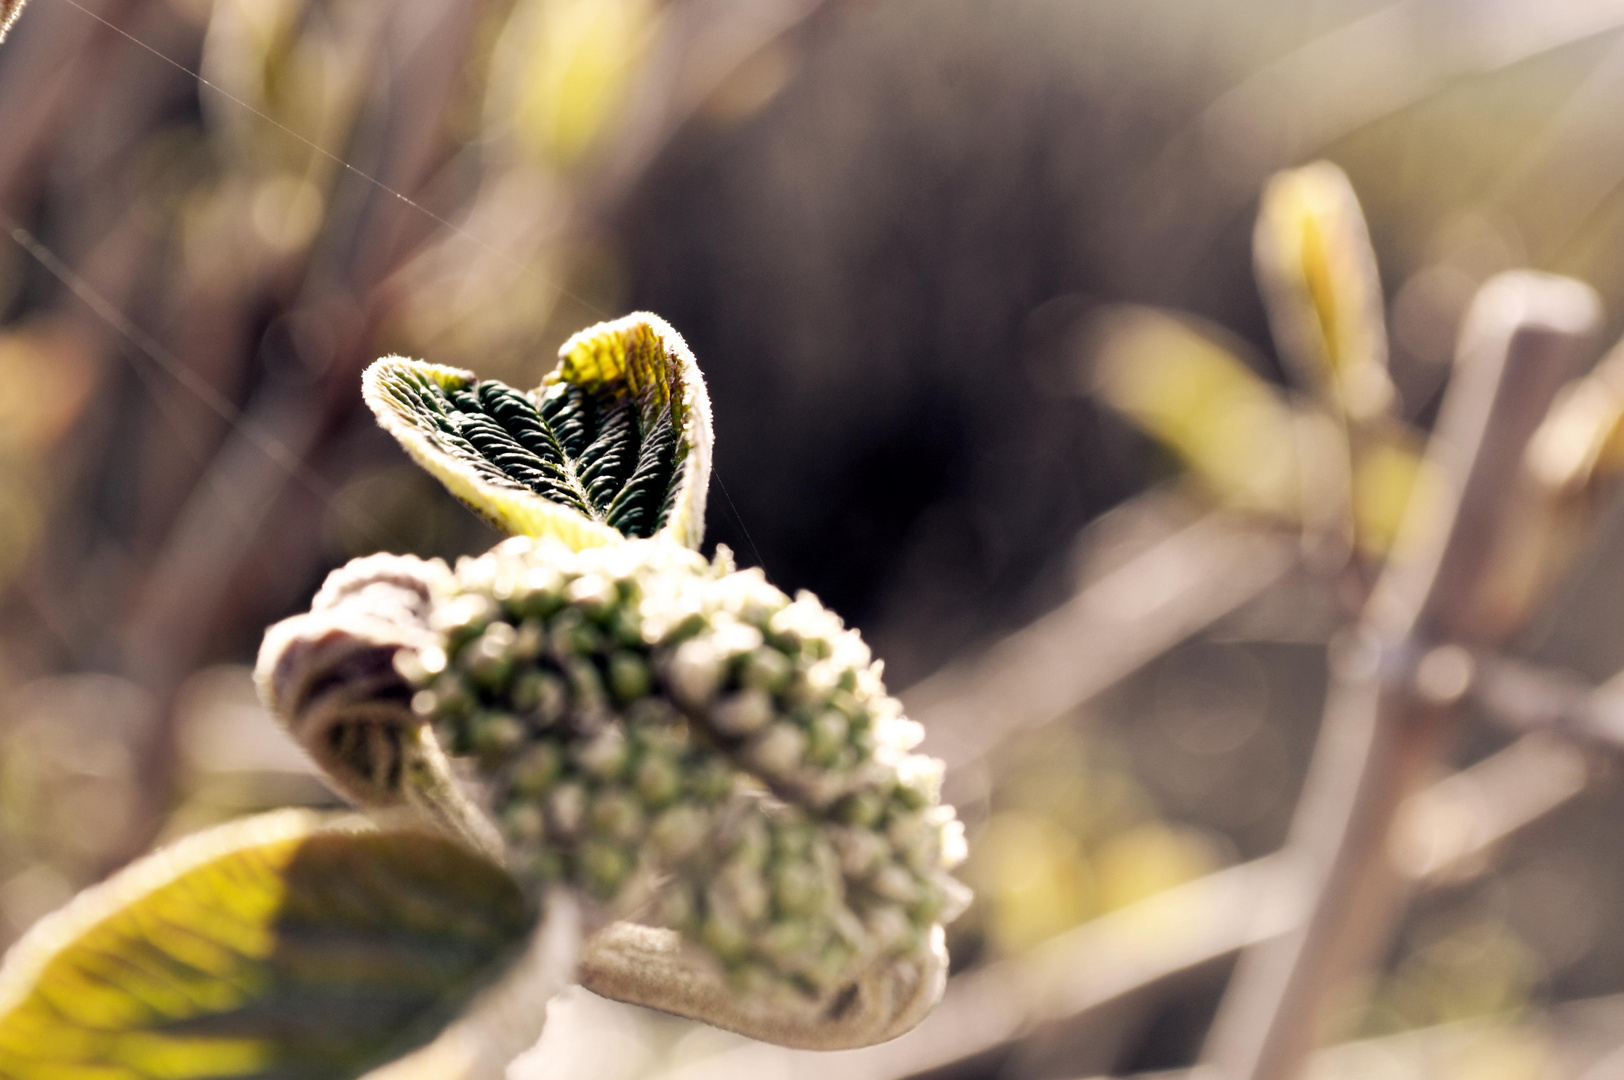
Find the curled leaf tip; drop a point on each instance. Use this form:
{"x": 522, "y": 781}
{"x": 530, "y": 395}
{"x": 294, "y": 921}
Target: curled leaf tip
{"x": 615, "y": 444}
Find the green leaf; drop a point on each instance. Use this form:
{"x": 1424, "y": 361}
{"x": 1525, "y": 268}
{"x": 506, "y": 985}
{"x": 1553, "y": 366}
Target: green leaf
{"x": 614, "y": 444}
{"x": 290, "y": 945}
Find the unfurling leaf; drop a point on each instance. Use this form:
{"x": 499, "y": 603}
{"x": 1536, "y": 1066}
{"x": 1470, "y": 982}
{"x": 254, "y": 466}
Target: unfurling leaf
{"x": 614, "y": 444}
{"x": 1317, "y": 272}
{"x": 287, "y": 945}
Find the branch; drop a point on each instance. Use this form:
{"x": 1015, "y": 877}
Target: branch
{"x": 1116, "y": 624}
{"x": 1397, "y": 687}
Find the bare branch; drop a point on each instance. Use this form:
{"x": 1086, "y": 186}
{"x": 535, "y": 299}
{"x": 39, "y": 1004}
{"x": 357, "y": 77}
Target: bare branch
{"x": 1395, "y": 689}
{"x": 1115, "y": 625}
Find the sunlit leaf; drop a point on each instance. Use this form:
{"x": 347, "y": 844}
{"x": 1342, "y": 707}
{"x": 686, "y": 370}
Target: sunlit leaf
{"x": 615, "y": 443}
{"x": 1189, "y": 391}
{"x": 1317, "y": 272}
{"x": 287, "y": 945}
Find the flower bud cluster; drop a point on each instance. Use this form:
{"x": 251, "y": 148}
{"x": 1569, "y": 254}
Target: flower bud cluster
{"x": 642, "y": 715}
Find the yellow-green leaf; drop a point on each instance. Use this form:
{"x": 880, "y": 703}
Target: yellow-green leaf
{"x": 614, "y": 444}
{"x": 1317, "y": 272}
{"x": 287, "y": 945}
{"x": 1184, "y": 387}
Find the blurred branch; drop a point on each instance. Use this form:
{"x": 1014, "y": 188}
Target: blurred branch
{"x": 206, "y": 552}
{"x": 1444, "y": 834}
{"x": 1395, "y": 691}
{"x": 700, "y": 44}
{"x": 1110, "y": 628}
{"x": 45, "y": 75}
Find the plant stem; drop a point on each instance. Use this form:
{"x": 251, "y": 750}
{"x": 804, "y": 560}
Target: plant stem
{"x": 1396, "y": 686}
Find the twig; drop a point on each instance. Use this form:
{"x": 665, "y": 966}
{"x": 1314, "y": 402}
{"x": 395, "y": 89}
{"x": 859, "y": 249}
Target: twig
{"x": 1396, "y": 689}
{"x": 1086, "y": 971}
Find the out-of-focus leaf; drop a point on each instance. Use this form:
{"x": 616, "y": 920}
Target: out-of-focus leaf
{"x": 1192, "y": 393}
{"x": 1581, "y": 441}
{"x": 615, "y": 443}
{"x": 1386, "y": 472}
{"x": 563, "y": 68}
{"x": 1317, "y": 272}
{"x": 47, "y": 371}
{"x": 287, "y": 945}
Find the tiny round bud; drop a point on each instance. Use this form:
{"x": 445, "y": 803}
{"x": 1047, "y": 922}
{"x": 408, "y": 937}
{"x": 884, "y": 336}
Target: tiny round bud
{"x": 540, "y": 696}
{"x": 605, "y": 755}
{"x": 629, "y": 677}
{"x": 493, "y": 734}
{"x": 658, "y": 780}
{"x": 678, "y": 832}
{"x": 826, "y": 737}
{"x": 712, "y": 780}
{"x": 593, "y": 594}
{"x": 530, "y": 640}
{"x": 695, "y": 672}
{"x": 524, "y": 823}
{"x": 618, "y": 816}
{"x": 536, "y": 770}
{"x": 604, "y": 866}
{"x": 743, "y": 713}
{"x": 566, "y": 809}
{"x": 797, "y": 888}
{"x": 862, "y": 809}
{"x": 766, "y": 669}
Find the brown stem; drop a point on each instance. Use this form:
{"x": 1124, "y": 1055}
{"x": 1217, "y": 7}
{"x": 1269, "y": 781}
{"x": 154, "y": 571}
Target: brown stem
{"x": 1395, "y": 692}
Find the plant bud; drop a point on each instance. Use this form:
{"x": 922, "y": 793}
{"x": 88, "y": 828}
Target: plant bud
{"x": 779, "y": 750}
{"x": 618, "y": 816}
{"x": 826, "y": 737}
{"x": 593, "y": 595}
{"x": 658, "y": 780}
{"x": 462, "y": 617}
{"x": 524, "y": 823}
{"x": 605, "y": 755}
{"x": 797, "y": 889}
{"x": 695, "y": 672}
{"x": 766, "y": 669}
{"x": 628, "y": 677}
{"x": 604, "y": 866}
{"x": 536, "y": 770}
{"x": 892, "y": 882}
{"x": 493, "y": 734}
{"x": 678, "y": 832}
{"x": 566, "y": 809}
{"x": 743, "y": 713}
{"x": 540, "y": 697}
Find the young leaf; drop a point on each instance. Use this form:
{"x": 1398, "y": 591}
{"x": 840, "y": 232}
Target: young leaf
{"x": 287, "y": 945}
{"x": 1317, "y": 273}
{"x": 614, "y": 444}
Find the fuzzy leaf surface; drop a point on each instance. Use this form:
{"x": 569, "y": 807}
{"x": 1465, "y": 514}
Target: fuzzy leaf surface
{"x": 615, "y": 443}
{"x": 288, "y": 945}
